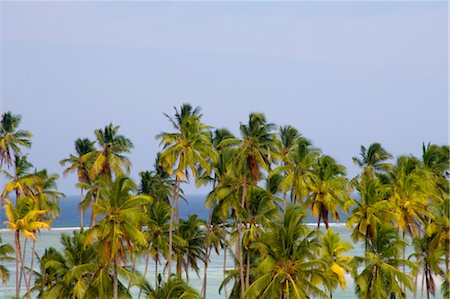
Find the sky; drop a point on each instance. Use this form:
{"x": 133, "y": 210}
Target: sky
{"x": 345, "y": 74}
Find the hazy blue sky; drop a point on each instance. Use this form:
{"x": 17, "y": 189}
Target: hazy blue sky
{"x": 343, "y": 73}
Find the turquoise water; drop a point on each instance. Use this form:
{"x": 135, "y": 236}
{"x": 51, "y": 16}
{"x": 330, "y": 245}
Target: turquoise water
{"x": 69, "y": 221}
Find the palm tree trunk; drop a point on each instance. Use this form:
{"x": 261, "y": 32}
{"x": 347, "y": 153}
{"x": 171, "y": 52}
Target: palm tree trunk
{"x": 239, "y": 255}
{"x": 116, "y": 280}
{"x": 186, "y": 270}
{"x": 93, "y": 220}
{"x": 147, "y": 257}
{"x": 22, "y": 272}
{"x": 18, "y": 254}
{"x": 284, "y": 202}
{"x": 239, "y": 243}
{"x": 247, "y": 273}
{"x": 175, "y": 197}
{"x": 179, "y": 267}
{"x": 32, "y": 261}
{"x": 177, "y": 201}
{"x": 133, "y": 266}
{"x": 416, "y": 281}
{"x": 225, "y": 268}
{"x": 208, "y": 253}
{"x": 423, "y": 285}
{"x": 156, "y": 272}
{"x": 81, "y": 213}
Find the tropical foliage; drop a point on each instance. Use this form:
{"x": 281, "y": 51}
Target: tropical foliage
{"x": 265, "y": 186}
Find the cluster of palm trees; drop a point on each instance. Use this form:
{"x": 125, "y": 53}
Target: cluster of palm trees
{"x": 264, "y": 186}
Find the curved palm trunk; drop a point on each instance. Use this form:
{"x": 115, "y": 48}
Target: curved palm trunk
{"x": 116, "y": 279}
{"x": 208, "y": 252}
{"x": 33, "y": 253}
{"x": 22, "y": 271}
{"x": 172, "y": 207}
{"x": 239, "y": 244}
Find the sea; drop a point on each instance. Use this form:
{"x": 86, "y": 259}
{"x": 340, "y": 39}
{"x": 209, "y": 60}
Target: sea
{"x": 69, "y": 220}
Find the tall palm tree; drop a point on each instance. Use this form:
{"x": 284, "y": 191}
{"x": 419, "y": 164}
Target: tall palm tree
{"x": 120, "y": 226}
{"x": 428, "y": 261}
{"x": 260, "y": 212}
{"x": 109, "y": 158}
{"x": 329, "y": 189}
{"x": 371, "y": 210}
{"x": 373, "y": 159}
{"x": 189, "y": 246}
{"x": 156, "y": 234}
{"x": 410, "y": 189}
{"x": 80, "y": 164}
{"x": 338, "y": 264}
{"x": 23, "y": 218}
{"x": 222, "y": 142}
{"x": 288, "y": 139}
{"x": 12, "y": 139}
{"x": 185, "y": 150}
{"x": 436, "y": 160}
{"x": 299, "y": 170}
{"x": 255, "y": 153}
{"x": 380, "y": 277}
{"x": 288, "y": 267}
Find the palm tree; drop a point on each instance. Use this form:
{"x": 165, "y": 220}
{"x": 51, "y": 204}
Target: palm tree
{"x": 156, "y": 234}
{"x": 23, "y": 219}
{"x": 372, "y": 160}
{"x": 79, "y": 163}
{"x": 260, "y": 212}
{"x": 189, "y": 245}
{"x": 288, "y": 139}
{"x": 299, "y": 169}
{"x": 22, "y": 180}
{"x": 186, "y": 149}
{"x": 173, "y": 288}
{"x": 12, "y": 139}
{"x": 222, "y": 141}
{"x": 120, "y": 226}
{"x": 288, "y": 266}
{"x": 66, "y": 274}
{"x": 329, "y": 189}
{"x": 256, "y": 151}
{"x": 410, "y": 189}
{"x": 6, "y": 251}
{"x": 110, "y": 159}
{"x": 331, "y": 253}
{"x": 370, "y": 211}
{"x": 427, "y": 260}
{"x": 380, "y": 277}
